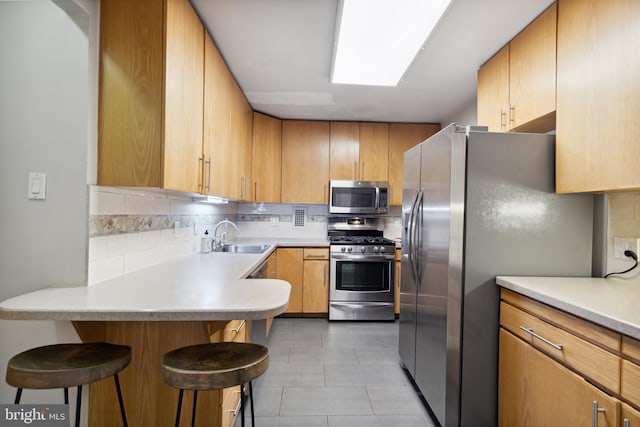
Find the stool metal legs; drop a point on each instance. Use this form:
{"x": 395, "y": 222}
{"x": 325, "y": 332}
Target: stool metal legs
{"x": 79, "y": 401}
{"x": 195, "y": 401}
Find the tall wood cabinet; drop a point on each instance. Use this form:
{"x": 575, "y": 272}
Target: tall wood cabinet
{"x": 150, "y": 95}
{"x": 267, "y": 165}
{"x": 359, "y": 151}
{"x": 403, "y": 136}
{"x": 315, "y": 294}
{"x": 597, "y": 146}
{"x": 228, "y": 130}
{"x": 290, "y": 269}
{"x": 305, "y": 161}
{"x": 517, "y": 86}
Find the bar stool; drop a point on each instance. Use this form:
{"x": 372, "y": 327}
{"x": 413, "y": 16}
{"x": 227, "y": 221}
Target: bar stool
{"x": 68, "y": 365}
{"x": 214, "y": 366}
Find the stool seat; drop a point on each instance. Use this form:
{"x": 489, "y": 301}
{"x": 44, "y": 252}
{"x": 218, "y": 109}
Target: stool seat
{"x": 66, "y": 365}
{"x": 214, "y": 366}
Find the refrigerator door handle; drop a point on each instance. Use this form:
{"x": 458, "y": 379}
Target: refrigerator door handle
{"x": 415, "y": 239}
{"x": 410, "y": 227}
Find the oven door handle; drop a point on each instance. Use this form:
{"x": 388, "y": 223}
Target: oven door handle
{"x": 363, "y": 258}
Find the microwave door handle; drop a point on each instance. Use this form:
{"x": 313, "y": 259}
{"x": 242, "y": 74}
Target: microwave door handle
{"x": 377, "y": 202}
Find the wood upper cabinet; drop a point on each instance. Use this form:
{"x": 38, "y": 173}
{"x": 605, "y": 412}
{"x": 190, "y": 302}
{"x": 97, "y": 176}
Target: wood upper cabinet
{"x": 403, "y": 136}
{"x": 150, "y": 95}
{"x": 315, "y": 294}
{"x": 290, "y": 269}
{"x": 305, "y": 161}
{"x": 517, "y": 86}
{"x": 493, "y": 92}
{"x": 267, "y": 137}
{"x": 228, "y": 130}
{"x": 359, "y": 151}
{"x": 535, "y": 390}
{"x": 597, "y": 146}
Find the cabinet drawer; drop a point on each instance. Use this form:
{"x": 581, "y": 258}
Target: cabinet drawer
{"x": 591, "y": 361}
{"x": 315, "y": 253}
{"x": 235, "y": 331}
{"x": 631, "y": 348}
{"x": 577, "y": 326}
{"x": 630, "y": 382}
{"x": 230, "y": 406}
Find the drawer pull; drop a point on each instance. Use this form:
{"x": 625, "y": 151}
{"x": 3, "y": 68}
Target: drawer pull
{"x": 237, "y": 408}
{"x": 316, "y": 256}
{"x": 533, "y": 334}
{"x": 595, "y": 413}
{"x": 237, "y": 330}
{"x": 626, "y": 422}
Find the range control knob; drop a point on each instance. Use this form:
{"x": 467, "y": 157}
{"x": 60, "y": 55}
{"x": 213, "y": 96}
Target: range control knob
{"x": 342, "y": 249}
{"x": 349, "y": 249}
{"x": 362, "y": 249}
{"x": 376, "y": 249}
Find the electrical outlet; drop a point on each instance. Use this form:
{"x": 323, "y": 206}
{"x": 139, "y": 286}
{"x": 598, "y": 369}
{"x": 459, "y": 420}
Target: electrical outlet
{"x": 275, "y": 221}
{"x": 621, "y": 244}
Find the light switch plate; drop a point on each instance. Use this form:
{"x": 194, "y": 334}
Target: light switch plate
{"x": 37, "y": 189}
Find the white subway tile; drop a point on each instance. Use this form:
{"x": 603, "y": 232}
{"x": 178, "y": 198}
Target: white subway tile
{"x": 122, "y": 243}
{"x": 105, "y": 203}
{"x": 141, "y": 259}
{"x": 138, "y": 205}
{"x": 105, "y": 269}
{"x": 97, "y": 248}
{"x": 149, "y": 239}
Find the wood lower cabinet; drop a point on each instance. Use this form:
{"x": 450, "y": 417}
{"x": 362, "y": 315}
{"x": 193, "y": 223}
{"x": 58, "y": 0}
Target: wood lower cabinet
{"x": 150, "y": 106}
{"x": 403, "y": 136}
{"x": 267, "y": 155}
{"x": 598, "y": 101}
{"x": 535, "y": 390}
{"x": 315, "y": 294}
{"x": 305, "y": 161}
{"x": 559, "y": 370}
{"x": 307, "y": 270}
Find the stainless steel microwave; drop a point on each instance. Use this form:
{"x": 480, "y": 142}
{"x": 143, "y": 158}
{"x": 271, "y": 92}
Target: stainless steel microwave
{"x": 359, "y": 197}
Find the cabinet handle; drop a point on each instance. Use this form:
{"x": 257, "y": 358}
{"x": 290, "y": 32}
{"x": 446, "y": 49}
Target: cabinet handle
{"x": 355, "y": 170}
{"x": 316, "y": 256}
{"x": 626, "y": 423}
{"x": 255, "y": 191}
{"x": 237, "y": 408}
{"x": 208, "y": 162}
{"x": 201, "y": 167}
{"x": 594, "y": 415}
{"x": 502, "y": 116}
{"x": 512, "y": 113}
{"x": 362, "y": 172}
{"x": 324, "y": 192}
{"x": 237, "y": 330}
{"x": 544, "y": 340}
{"x": 324, "y": 277}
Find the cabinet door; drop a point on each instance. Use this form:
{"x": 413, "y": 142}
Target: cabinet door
{"x": 130, "y": 121}
{"x": 344, "y": 150}
{"x": 374, "y": 152}
{"x": 241, "y": 140}
{"x": 315, "y": 295}
{"x": 290, "y": 269}
{"x": 630, "y": 417}
{"x": 401, "y": 138}
{"x": 183, "y": 109}
{"x": 493, "y": 92}
{"x": 534, "y": 390}
{"x": 267, "y": 137}
{"x": 598, "y": 101}
{"x": 532, "y": 72}
{"x": 305, "y": 161}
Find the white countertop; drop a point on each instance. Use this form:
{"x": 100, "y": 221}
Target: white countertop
{"x": 197, "y": 287}
{"x": 611, "y": 302}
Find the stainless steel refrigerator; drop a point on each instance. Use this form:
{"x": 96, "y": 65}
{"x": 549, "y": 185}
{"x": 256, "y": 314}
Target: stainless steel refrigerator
{"x": 477, "y": 205}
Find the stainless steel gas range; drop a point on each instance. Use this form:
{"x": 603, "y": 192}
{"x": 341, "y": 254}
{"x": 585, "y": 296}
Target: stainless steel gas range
{"x": 362, "y": 266}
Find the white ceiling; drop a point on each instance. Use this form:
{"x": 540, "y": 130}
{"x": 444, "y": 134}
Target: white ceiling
{"x": 280, "y": 53}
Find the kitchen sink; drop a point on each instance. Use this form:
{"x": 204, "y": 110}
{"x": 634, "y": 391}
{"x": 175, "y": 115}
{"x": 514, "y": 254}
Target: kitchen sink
{"x": 242, "y": 249}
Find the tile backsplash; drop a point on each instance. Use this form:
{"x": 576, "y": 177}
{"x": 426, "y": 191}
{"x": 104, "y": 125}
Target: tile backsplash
{"x": 623, "y": 221}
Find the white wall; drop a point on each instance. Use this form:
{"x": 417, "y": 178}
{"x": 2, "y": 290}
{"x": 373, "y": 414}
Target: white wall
{"x": 467, "y": 115}
{"x": 43, "y": 128}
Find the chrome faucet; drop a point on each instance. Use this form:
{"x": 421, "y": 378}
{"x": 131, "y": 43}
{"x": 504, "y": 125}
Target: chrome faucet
{"x": 218, "y": 239}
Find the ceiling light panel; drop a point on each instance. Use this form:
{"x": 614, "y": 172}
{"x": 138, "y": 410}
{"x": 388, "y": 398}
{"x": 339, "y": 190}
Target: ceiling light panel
{"x": 376, "y": 40}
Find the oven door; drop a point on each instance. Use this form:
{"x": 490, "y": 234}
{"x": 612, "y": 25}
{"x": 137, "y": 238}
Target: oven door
{"x": 362, "y": 278}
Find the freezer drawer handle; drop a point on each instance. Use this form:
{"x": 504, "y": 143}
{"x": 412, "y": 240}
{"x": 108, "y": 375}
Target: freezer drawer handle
{"x": 543, "y": 339}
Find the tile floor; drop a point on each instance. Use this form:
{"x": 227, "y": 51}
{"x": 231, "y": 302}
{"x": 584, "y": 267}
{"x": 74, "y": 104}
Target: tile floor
{"x": 335, "y": 374}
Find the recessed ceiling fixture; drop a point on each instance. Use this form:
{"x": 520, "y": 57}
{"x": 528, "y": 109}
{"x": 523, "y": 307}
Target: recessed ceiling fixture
{"x": 376, "y": 40}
